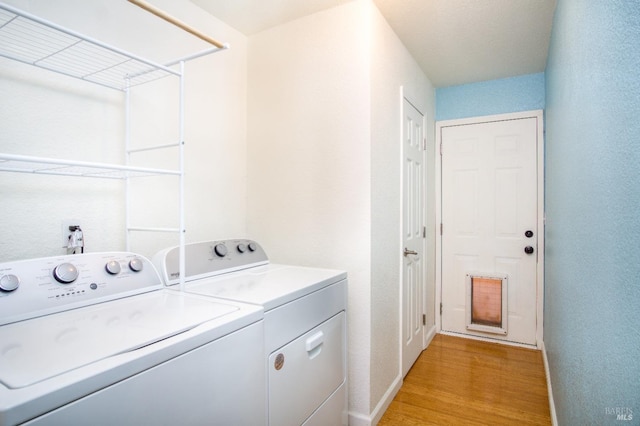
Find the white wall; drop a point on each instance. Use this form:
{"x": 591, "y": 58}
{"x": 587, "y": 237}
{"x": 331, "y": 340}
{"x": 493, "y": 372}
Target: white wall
{"x": 49, "y": 115}
{"x": 392, "y": 67}
{"x": 293, "y": 138}
{"x": 324, "y": 158}
{"x": 309, "y": 158}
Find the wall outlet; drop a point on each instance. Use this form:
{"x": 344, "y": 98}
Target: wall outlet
{"x": 68, "y": 227}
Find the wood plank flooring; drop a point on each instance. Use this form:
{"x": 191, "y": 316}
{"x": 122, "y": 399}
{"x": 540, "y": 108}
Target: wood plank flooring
{"x": 458, "y": 381}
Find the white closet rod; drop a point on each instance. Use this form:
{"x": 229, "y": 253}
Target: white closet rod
{"x": 162, "y": 14}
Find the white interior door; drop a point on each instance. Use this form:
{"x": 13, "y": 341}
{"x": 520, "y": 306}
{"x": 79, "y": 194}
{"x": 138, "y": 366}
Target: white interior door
{"x": 489, "y": 215}
{"x": 413, "y": 235}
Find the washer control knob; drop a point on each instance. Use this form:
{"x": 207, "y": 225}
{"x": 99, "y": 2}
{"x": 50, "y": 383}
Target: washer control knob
{"x": 113, "y": 267}
{"x": 242, "y": 248}
{"x": 220, "y": 250}
{"x": 135, "y": 264}
{"x": 9, "y": 283}
{"x": 253, "y": 247}
{"x": 65, "y": 273}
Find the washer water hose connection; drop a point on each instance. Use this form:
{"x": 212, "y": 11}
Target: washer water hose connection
{"x": 76, "y": 240}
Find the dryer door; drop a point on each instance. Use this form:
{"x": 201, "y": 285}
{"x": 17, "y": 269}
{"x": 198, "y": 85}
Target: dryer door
{"x": 305, "y": 372}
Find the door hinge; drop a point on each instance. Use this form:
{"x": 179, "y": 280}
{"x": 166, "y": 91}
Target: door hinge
{"x": 424, "y": 232}
{"x": 441, "y": 149}
{"x": 440, "y": 309}
{"x": 424, "y": 319}
{"x": 441, "y": 227}
{"x": 424, "y": 144}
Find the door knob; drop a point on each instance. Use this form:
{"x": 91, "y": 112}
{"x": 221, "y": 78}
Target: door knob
{"x": 407, "y": 252}
{"x": 528, "y": 234}
{"x": 528, "y": 249}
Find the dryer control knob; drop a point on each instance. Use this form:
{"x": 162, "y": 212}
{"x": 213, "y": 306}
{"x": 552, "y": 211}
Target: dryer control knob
{"x": 135, "y": 264}
{"x": 113, "y": 267}
{"x": 242, "y": 248}
{"x": 65, "y": 273}
{"x": 9, "y": 283}
{"x": 253, "y": 247}
{"x": 220, "y": 250}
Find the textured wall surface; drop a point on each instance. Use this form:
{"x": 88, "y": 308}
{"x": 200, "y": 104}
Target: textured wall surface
{"x": 592, "y": 300}
{"x": 309, "y": 159}
{"x": 324, "y": 161}
{"x": 515, "y": 94}
{"x": 392, "y": 67}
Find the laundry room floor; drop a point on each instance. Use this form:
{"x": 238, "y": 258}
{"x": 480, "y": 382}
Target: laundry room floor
{"x": 469, "y": 382}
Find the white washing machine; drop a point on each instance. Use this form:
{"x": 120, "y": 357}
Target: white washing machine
{"x": 305, "y": 323}
{"x": 97, "y": 339}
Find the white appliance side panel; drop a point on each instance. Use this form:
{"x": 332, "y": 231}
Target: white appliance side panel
{"x": 220, "y": 383}
{"x": 306, "y": 372}
{"x": 289, "y": 321}
{"x": 333, "y": 412}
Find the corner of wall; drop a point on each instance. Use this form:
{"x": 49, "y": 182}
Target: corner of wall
{"x": 357, "y": 419}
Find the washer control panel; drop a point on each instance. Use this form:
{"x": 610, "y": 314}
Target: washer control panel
{"x": 35, "y": 287}
{"x": 209, "y": 258}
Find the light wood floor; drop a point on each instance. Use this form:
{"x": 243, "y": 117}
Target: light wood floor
{"x": 458, "y": 381}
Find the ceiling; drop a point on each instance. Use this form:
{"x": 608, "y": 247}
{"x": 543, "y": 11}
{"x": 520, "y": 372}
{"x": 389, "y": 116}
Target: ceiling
{"x": 453, "y": 41}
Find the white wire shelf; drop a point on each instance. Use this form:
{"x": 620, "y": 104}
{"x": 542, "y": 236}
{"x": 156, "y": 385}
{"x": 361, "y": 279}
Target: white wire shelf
{"x": 51, "y": 166}
{"x": 35, "y": 41}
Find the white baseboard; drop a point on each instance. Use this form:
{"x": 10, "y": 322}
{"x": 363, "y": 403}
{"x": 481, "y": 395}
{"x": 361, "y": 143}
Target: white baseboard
{"x": 385, "y": 401}
{"x": 552, "y": 405}
{"x": 429, "y": 337}
{"x": 357, "y": 419}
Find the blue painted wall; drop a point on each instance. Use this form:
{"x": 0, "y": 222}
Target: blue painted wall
{"x": 515, "y": 94}
{"x": 592, "y": 300}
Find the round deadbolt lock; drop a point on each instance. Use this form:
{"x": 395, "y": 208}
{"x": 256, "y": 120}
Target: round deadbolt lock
{"x": 528, "y": 234}
{"x": 528, "y": 249}
{"x": 279, "y": 362}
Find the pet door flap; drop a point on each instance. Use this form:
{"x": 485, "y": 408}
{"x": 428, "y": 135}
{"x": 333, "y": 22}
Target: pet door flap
{"x": 487, "y": 303}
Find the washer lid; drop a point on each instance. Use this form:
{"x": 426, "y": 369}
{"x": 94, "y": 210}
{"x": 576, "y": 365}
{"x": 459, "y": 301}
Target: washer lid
{"x": 44, "y": 347}
{"x": 270, "y": 286}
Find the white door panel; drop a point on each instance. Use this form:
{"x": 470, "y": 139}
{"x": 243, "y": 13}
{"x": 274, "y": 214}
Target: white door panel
{"x": 413, "y": 235}
{"x": 489, "y": 200}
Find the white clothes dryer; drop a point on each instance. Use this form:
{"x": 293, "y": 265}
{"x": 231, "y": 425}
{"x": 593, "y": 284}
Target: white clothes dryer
{"x": 97, "y": 339}
{"x": 305, "y": 323}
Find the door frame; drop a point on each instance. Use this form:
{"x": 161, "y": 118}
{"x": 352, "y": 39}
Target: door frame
{"x": 537, "y": 114}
